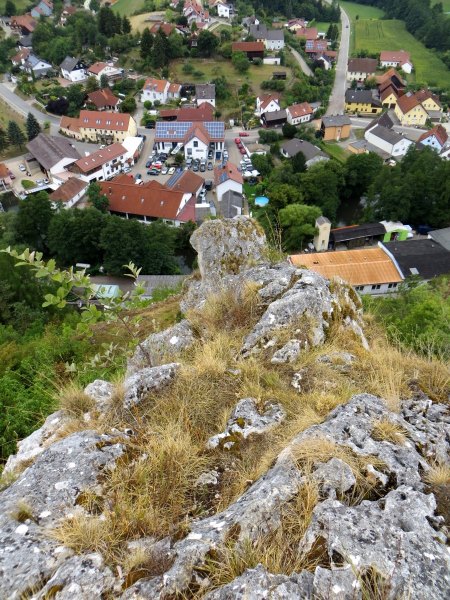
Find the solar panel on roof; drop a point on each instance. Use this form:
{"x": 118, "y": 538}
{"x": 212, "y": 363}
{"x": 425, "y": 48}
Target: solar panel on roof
{"x": 173, "y": 180}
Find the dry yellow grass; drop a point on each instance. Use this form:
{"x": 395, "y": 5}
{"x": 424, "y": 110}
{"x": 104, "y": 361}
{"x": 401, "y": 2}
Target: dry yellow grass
{"x": 439, "y": 474}
{"x": 22, "y": 512}
{"x": 74, "y": 401}
{"x": 386, "y": 430}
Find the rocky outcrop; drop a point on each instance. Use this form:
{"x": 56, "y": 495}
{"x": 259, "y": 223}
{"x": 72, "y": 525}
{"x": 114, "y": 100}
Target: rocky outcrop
{"x": 43, "y": 494}
{"x": 149, "y": 380}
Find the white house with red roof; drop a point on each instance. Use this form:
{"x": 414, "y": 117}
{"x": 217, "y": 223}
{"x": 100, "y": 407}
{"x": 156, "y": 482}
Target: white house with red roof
{"x": 98, "y": 69}
{"x": 435, "y": 138}
{"x": 267, "y": 103}
{"x": 196, "y": 138}
{"x": 227, "y": 178}
{"x": 397, "y": 58}
{"x": 299, "y": 113}
{"x": 159, "y": 90}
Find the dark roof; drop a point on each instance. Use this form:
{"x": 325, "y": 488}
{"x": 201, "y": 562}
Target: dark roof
{"x": 336, "y": 121}
{"x": 275, "y": 34}
{"x": 230, "y": 204}
{"x": 361, "y": 97}
{"x": 353, "y": 232}
{"x": 362, "y": 65}
{"x": 420, "y": 257}
{"x": 384, "y": 120}
{"x": 205, "y": 90}
{"x": 442, "y": 237}
{"x": 49, "y": 150}
{"x": 276, "y": 115}
{"x": 69, "y": 63}
{"x": 294, "y": 146}
{"x": 388, "y": 135}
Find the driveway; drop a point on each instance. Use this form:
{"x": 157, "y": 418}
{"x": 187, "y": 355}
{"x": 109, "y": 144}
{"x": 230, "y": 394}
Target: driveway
{"x": 301, "y": 61}
{"x": 336, "y": 105}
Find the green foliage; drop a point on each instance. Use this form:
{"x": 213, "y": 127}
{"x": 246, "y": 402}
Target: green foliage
{"x": 33, "y": 220}
{"x": 32, "y": 126}
{"x": 10, "y": 8}
{"x": 240, "y": 62}
{"x": 298, "y": 222}
{"x": 15, "y": 134}
{"x": 207, "y": 43}
{"x": 128, "y": 105}
{"x": 96, "y": 198}
{"x": 289, "y": 130}
{"x": 418, "y": 317}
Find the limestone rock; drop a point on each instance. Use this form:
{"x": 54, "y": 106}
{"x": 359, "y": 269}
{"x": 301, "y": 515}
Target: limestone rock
{"x": 340, "y": 361}
{"x": 392, "y": 535}
{"x": 288, "y": 353}
{"x": 257, "y": 583}
{"x": 334, "y": 476}
{"x": 151, "y": 379}
{"x": 101, "y": 392}
{"x": 159, "y": 348}
{"x": 33, "y": 445}
{"x": 208, "y": 478}
{"x": 246, "y": 420}
{"x": 335, "y": 584}
{"x": 49, "y": 489}
{"x": 82, "y": 577}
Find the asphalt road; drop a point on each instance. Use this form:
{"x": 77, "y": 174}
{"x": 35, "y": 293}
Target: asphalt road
{"x": 301, "y": 61}
{"x": 23, "y": 107}
{"x": 336, "y": 104}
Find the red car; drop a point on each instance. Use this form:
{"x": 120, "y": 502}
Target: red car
{"x": 243, "y": 151}
{"x": 237, "y": 141}
{"x": 243, "y": 134}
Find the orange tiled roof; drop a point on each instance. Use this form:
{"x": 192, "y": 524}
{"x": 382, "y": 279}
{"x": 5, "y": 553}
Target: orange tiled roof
{"x": 68, "y": 190}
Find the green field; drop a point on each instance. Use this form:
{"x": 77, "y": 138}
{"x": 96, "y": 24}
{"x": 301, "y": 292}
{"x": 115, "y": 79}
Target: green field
{"x": 363, "y": 12}
{"x": 129, "y": 7}
{"x": 375, "y": 36}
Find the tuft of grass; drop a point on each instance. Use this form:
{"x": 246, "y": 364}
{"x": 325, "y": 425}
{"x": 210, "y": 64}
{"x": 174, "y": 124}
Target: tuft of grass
{"x": 140, "y": 563}
{"x": 439, "y": 474}
{"x": 85, "y": 533}
{"x": 23, "y": 512}
{"x": 74, "y": 401}
{"x": 386, "y": 430}
{"x": 434, "y": 379}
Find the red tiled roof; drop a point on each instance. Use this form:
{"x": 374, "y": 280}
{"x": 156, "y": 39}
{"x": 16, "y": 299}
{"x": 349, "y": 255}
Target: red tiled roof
{"x": 70, "y": 123}
{"x": 362, "y": 65}
{"x": 151, "y": 199}
{"x": 387, "y": 91}
{"x": 174, "y": 88}
{"x": 25, "y": 21}
{"x": 388, "y": 75}
{"x": 407, "y": 103}
{"x": 21, "y": 55}
{"x": 229, "y": 171}
{"x": 300, "y": 110}
{"x": 247, "y": 47}
{"x": 3, "y": 171}
{"x": 166, "y": 28}
{"x": 308, "y": 33}
{"x": 399, "y": 56}
{"x": 104, "y": 120}
{"x": 423, "y": 95}
{"x": 68, "y": 190}
{"x": 157, "y": 85}
{"x": 267, "y": 98}
{"x": 102, "y": 98}
{"x": 97, "y": 68}
{"x": 316, "y": 46}
{"x": 188, "y": 182}
{"x": 99, "y": 158}
{"x": 438, "y": 131}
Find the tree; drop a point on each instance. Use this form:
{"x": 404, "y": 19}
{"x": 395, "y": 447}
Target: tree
{"x": 3, "y": 139}
{"x": 32, "y": 126}
{"x": 128, "y": 105}
{"x": 262, "y": 163}
{"x": 289, "y": 130}
{"x": 298, "y": 162}
{"x": 146, "y": 44}
{"x": 207, "y": 43}
{"x": 96, "y": 198}
{"x": 297, "y": 222}
{"x": 94, "y": 5}
{"x": 160, "y": 50}
{"x": 240, "y": 62}
{"x": 33, "y": 219}
{"x": 322, "y": 184}
{"x": 92, "y": 84}
{"x": 10, "y": 8}
{"x": 360, "y": 172}
{"x": 126, "y": 26}
{"x": 104, "y": 81}
{"x": 16, "y": 136}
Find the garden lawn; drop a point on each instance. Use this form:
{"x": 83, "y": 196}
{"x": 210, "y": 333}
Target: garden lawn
{"x": 375, "y": 36}
{"x": 8, "y": 114}
{"x": 363, "y": 12}
{"x": 126, "y": 8}
{"x": 335, "y": 151}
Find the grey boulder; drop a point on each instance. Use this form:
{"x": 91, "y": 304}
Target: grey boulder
{"x": 149, "y": 380}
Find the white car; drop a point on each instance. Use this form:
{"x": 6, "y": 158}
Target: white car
{"x": 164, "y": 171}
{"x": 22, "y": 168}
{"x": 171, "y": 170}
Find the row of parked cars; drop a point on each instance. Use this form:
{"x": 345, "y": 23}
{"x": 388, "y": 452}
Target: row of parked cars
{"x": 199, "y": 165}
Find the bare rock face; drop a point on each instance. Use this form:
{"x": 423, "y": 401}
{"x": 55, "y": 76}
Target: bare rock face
{"x": 44, "y": 493}
{"x": 246, "y": 420}
{"x": 151, "y": 379}
{"x": 101, "y": 392}
{"x": 161, "y": 347}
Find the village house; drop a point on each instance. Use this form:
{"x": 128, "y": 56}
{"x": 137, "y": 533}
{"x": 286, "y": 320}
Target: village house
{"x": 148, "y": 202}
{"x": 21, "y": 57}
{"x": 73, "y": 69}
{"x": 315, "y": 48}
{"x": 24, "y": 24}
{"x": 368, "y": 270}
{"x": 50, "y": 154}
{"x": 5, "y": 178}
{"x": 99, "y": 69}
{"x": 389, "y": 95}
{"x": 205, "y": 92}
{"x": 362, "y": 102}
{"x": 435, "y": 138}
{"x": 100, "y": 127}
{"x": 299, "y": 113}
{"x": 227, "y": 178}
{"x": 186, "y": 182}
{"x": 204, "y": 112}
{"x": 195, "y": 13}
{"x": 166, "y": 28}
{"x": 307, "y": 33}
{"x": 360, "y": 69}
{"x": 107, "y": 162}
{"x": 250, "y": 49}
{"x": 224, "y": 9}
{"x": 267, "y": 103}
{"x": 196, "y": 139}
{"x": 388, "y": 140}
{"x": 424, "y": 258}
{"x": 273, "y": 39}
{"x": 410, "y": 111}
{"x": 35, "y": 66}
{"x": 312, "y": 153}
{"x": 275, "y": 118}
{"x": 431, "y": 103}
{"x": 335, "y": 127}
{"x": 43, "y": 9}
{"x": 296, "y": 24}
{"x": 103, "y": 100}
{"x": 69, "y": 193}
{"x": 398, "y": 58}
{"x": 155, "y": 90}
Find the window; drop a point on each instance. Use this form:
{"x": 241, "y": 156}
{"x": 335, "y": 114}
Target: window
{"x": 376, "y": 287}
{"x": 195, "y": 144}
{"x": 392, "y": 285}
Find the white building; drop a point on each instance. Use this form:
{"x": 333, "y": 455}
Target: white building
{"x": 73, "y": 69}
{"x": 388, "y": 140}
{"x": 205, "y": 92}
{"x": 227, "y": 178}
{"x": 224, "y": 10}
{"x": 99, "y": 69}
{"x": 398, "y": 58}
{"x": 196, "y": 139}
{"x": 274, "y": 40}
{"x": 267, "y": 103}
{"x": 69, "y": 192}
{"x": 299, "y": 113}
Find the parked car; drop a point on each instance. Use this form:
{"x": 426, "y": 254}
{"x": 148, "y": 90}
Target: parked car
{"x": 171, "y": 170}
{"x": 22, "y": 167}
{"x": 148, "y": 164}
{"x": 210, "y": 166}
{"x": 11, "y": 175}
{"x": 138, "y": 176}
{"x": 195, "y": 167}
{"x": 164, "y": 171}
{"x": 210, "y": 154}
{"x": 243, "y": 134}
{"x": 150, "y": 125}
{"x": 153, "y": 172}
{"x": 237, "y": 140}
{"x": 242, "y": 150}
{"x": 203, "y": 167}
